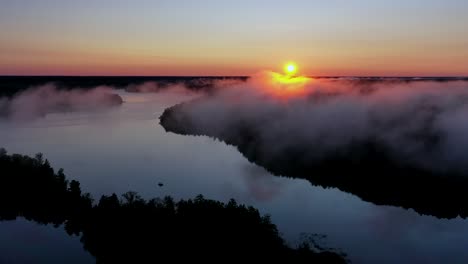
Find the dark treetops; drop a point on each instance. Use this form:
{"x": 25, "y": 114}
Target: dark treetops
{"x": 134, "y": 230}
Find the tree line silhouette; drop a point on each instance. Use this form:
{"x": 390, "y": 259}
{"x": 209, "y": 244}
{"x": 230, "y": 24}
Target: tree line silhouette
{"x": 131, "y": 229}
{"x": 10, "y": 85}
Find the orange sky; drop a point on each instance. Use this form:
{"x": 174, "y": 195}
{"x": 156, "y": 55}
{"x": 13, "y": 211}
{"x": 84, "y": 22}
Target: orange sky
{"x": 222, "y": 38}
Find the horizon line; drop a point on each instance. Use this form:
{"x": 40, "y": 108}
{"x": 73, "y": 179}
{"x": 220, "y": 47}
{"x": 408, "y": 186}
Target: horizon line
{"x": 233, "y": 76}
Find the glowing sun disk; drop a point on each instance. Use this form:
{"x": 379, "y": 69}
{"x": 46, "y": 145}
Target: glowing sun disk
{"x": 290, "y": 68}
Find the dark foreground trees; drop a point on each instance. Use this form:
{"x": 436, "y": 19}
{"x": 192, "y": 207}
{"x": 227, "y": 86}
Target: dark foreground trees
{"x": 133, "y": 230}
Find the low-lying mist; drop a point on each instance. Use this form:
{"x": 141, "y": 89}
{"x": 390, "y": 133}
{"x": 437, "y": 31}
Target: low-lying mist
{"x": 39, "y": 101}
{"x": 415, "y": 123}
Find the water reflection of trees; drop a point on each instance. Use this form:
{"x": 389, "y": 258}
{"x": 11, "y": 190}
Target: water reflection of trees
{"x": 134, "y": 230}
{"x": 363, "y": 169}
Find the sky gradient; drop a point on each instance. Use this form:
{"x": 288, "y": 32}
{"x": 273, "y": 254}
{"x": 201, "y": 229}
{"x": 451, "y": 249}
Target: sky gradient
{"x": 208, "y": 37}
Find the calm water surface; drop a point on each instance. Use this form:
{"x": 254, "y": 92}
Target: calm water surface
{"x": 126, "y": 149}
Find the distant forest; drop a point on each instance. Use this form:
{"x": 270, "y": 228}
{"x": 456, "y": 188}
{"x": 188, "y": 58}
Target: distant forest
{"x": 10, "y": 85}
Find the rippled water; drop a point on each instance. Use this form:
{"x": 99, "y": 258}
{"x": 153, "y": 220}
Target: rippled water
{"x": 126, "y": 149}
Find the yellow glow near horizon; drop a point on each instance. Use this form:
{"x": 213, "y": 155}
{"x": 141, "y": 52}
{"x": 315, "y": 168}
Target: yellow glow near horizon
{"x": 288, "y": 84}
{"x": 290, "y": 68}
{"x": 288, "y": 79}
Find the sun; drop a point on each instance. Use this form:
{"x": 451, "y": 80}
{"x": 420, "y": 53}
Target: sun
{"x": 290, "y": 68}
{"x": 288, "y": 83}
